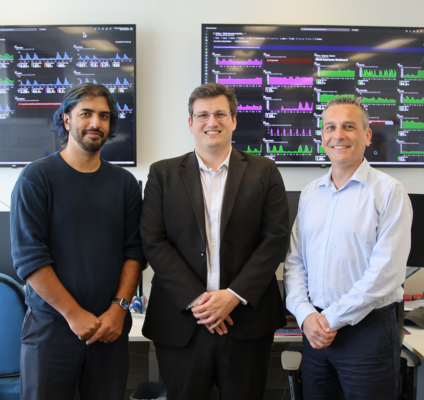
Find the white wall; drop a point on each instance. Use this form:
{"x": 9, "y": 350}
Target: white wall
{"x": 168, "y": 59}
{"x": 414, "y": 284}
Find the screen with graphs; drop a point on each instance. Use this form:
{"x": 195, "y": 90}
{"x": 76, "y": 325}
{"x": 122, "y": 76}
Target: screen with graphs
{"x": 38, "y": 64}
{"x": 284, "y": 75}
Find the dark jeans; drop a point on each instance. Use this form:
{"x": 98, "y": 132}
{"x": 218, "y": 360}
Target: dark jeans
{"x": 54, "y": 362}
{"x": 362, "y": 363}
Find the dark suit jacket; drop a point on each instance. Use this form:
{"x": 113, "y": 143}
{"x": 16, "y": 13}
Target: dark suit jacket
{"x": 254, "y": 235}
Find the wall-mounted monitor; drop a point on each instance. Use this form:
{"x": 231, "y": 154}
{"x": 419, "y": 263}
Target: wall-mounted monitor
{"x": 416, "y": 256}
{"x": 284, "y": 75}
{"x": 38, "y": 64}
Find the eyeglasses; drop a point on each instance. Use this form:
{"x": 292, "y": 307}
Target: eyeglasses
{"x": 204, "y": 116}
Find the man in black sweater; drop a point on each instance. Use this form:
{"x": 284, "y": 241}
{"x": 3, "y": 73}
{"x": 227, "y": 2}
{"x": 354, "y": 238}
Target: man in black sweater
{"x": 75, "y": 239}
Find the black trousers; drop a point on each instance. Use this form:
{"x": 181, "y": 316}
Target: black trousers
{"x": 55, "y": 363}
{"x": 362, "y": 363}
{"x": 237, "y": 367}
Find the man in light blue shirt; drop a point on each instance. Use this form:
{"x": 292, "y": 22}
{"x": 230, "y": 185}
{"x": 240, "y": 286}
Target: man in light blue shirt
{"x": 346, "y": 264}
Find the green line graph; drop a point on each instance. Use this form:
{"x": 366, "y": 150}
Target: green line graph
{"x": 6, "y": 81}
{"x": 281, "y": 150}
{"x": 254, "y": 151}
{"x": 325, "y": 98}
{"x": 388, "y": 74}
{"x": 418, "y": 75}
{"x": 373, "y": 100}
{"x": 413, "y": 152}
{"x": 321, "y": 149}
{"x": 337, "y": 74}
{"x": 412, "y": 125}
{"x": 6, "y": 56}
{"x": 412, "y": 100}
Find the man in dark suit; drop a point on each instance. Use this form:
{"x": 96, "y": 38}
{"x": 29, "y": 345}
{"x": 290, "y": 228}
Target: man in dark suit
{"x": 214, "y": 228}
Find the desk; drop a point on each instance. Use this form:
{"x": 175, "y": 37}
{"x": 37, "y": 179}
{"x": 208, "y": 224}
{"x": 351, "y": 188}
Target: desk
{"x": 288, "y": 339}
{"x": 135, "y": 333}
{"x": 136, "y": 336}
{"x": 415, "y": 343}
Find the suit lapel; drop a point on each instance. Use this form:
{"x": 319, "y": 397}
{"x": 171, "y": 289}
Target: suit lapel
{"x": 234, "y": 178}
{"x": 191, "y": 176}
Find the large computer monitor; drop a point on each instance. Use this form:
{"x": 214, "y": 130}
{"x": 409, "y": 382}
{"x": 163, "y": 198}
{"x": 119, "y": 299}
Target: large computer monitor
{"x": 38, "y": 64}
{"x": 416, "y": 256}
{"x": 293, "y": 200}
{"x": 284, "y": 75}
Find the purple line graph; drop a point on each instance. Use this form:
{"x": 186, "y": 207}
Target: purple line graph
{"x": 306, "y": 107}
{"x": 290, "y": 81}
{"x": 231, "y": 62}
{"x": 249, "y": 108}
{"x": 290, "y": 132}
{"x": 230, "y": 81}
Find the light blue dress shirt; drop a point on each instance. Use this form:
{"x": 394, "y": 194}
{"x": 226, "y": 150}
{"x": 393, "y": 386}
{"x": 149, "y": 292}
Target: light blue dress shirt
{"x": 349, "y": 247}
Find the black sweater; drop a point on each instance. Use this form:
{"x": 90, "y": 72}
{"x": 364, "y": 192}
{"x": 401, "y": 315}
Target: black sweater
{"x": 82, "y": 224}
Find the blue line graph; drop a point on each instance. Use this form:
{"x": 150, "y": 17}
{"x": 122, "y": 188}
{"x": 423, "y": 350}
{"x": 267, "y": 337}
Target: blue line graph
{"x": 7, "y": 109}
{"x": 117, "y": 57}
{"x": 58, "y": 83}
{"x": 87, "y": 81}
{"x": 35, "y": 57}
{"x": 125, "y": 108}
{"x": 118, "y": 83}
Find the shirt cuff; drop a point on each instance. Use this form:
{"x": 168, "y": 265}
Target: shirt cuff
{"x": 333, "y": 322}
{"x": 303, "y": 310}
{"x": 194, "y": 302}
{"x": 244, "y": 302}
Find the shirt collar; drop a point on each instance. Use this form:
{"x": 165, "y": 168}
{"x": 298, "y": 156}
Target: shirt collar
{"x": 360, "y": 175}
{"x": 204, "y": 167}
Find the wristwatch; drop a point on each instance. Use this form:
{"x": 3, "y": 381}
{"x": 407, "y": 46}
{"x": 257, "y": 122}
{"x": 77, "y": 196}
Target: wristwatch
{"x": 122, "y": 302}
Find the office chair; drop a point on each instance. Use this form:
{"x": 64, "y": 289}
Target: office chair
{"x": 12, "y": 313}
{"x": 292, "y": 360}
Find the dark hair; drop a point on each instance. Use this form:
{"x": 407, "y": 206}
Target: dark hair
{"x": 213, "y": 90}
{"x": 73, "y": 97}
{"x": 356, "y": 101}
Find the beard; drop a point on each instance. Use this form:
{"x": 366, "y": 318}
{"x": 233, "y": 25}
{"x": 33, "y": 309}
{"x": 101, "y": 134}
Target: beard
{"x": 89, "y": 145}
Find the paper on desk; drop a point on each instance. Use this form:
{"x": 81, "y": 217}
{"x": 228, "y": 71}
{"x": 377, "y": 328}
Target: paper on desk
{"x": 138, "y": 319}
{"x": 410, "y": 305}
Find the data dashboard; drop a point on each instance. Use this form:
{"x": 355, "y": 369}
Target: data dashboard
{"x": 283, "y": 77}
{"x": 38, "y": 64}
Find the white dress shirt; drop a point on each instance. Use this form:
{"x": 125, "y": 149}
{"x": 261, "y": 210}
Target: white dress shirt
{"x": 349, "y": 247}
{"x": 213, "y": 185}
